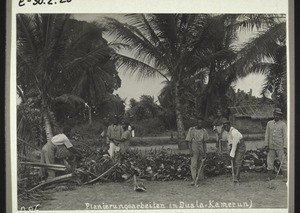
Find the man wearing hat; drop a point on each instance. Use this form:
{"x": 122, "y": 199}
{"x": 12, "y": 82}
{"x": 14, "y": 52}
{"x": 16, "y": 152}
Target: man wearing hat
{"x": 276, "y": 143}
{"x": 237, "y": 148}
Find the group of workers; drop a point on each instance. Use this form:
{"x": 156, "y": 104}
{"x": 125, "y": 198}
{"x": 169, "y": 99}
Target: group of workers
{"x": 228, "y": 136}
{"x": 228, "y": 139}
{"x": 117, "y": 137}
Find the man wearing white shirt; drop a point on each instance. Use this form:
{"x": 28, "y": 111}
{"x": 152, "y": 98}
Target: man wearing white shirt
{"x": 237, "y": 148}
{"x": 50, "y": 149}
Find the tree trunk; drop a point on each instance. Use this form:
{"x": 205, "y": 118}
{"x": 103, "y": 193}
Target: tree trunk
{"x": 47, "y": 123}
{"x": 179, "y": 119}
{"x": 208, "y": 107}
{"x": 90, "y": 114}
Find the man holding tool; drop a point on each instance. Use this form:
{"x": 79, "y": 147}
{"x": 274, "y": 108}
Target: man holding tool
{"x": 51, "y": 149}
{"x": 197, "y": 137}
{"x": 237, "y": 149}
{"x": 276, "y": 143}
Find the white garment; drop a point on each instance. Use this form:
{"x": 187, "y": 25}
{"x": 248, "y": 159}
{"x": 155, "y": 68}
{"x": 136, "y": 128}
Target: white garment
{"x": 113, "y": 149}
{"x": 234, "y": 137}
{"x": 61, "y": 139}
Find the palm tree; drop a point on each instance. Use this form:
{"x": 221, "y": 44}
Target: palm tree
{"x": 178, "y": 46}
{"x": 49, "y": 55}
{"x": 266, "y": 54}
{"x": 225, "y": 63}
{"x": 163, "y": 45}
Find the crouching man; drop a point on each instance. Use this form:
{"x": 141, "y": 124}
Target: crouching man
{"x": 197, "y": 137}
{"x": 237, "y": 148}
{"x": 50, "y": 149}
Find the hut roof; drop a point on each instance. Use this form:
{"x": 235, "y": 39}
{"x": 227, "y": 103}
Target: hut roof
{"x": 261, "y": 111}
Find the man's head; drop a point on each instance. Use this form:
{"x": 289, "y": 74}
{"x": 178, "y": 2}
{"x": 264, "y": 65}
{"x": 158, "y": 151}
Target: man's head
{"x": 125, "y": 126}
{"x": 115, "y": 120}
{"x": 199, "y": 123}
{"x": 67, "y": 131}
{"x": 226, "y": 125}
{"x": 277, "y": 114}
{"x": 219, "y": 113}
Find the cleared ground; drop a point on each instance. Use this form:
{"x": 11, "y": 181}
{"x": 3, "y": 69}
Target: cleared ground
{"x": 252, "y": 192}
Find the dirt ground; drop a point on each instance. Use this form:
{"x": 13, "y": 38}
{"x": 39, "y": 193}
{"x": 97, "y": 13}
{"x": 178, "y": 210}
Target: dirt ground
{"x": 252, "y": 192}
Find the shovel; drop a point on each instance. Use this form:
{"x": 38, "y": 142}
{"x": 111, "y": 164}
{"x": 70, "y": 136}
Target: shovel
{"x": 280, "y": 166}
{"x": 199, "y": 171}
{"x": 272, "y": 182}
{"x": 232, "y": 171}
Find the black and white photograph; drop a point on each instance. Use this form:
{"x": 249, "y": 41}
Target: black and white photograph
{"x": 151, "y": 111}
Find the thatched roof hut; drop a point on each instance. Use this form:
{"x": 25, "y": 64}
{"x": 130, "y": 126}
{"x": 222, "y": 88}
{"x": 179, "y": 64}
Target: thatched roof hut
{"x": 251, "y": 118}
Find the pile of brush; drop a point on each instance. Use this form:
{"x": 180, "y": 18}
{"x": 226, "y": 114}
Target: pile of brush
{"x": 158, "y": 165}
{"x": 164, "y": 165}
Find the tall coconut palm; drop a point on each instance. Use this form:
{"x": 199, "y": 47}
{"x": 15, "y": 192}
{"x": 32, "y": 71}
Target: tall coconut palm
{"x": 177, "y": 46}
{"x": 46, "y": 53}
{"x": 163, "y": 45}
{"x": 224, "y": 69}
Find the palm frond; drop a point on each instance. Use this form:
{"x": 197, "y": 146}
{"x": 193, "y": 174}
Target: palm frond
{"x": 252, "y": 22}
{"x": 141, "y": 47}
{"x": 134, "y": 66}
{"x": 86, "y": 61}
{"x": 26, "y": 36}
{"x": 262, "y": 48}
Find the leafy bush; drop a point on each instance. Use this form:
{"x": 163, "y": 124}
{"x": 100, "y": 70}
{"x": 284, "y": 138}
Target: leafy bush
{"x": 149, "y": 127}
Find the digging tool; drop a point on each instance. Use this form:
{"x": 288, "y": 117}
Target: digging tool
{"x": 271, "y": 182}
{"x": 232, "y": 171}
{"x": 280, "y": 166}
{"x": 220, "y": 146}
{"x": 199, "y": 171}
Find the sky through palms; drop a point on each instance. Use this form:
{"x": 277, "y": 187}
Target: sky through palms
{"x": 133, "y": 88}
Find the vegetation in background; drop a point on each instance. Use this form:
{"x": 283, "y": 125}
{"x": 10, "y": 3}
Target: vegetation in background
{"x": 195, "y": 53}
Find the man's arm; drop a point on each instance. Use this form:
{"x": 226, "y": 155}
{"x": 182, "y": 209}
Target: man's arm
{"x": 189, "y": 140}
{"x": 205, "y": 139}
{"x": 108, "y": 134}
{"x": 284, "y": 132}
{"x": 74, "y": 151}
{"x": 234, "y": 144}
{"x": 267, "y": 135}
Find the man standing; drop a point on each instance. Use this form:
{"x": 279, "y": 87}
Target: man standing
{"x": 221, "y": 135}
{"x": 237, "y": 148}
{"x": 125, "y": 139}
{"x": 197, "y": 137}
{"x": 276, "y": 143}
{"x": 114, "y": 133}
{"x": 50, "y": 149}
